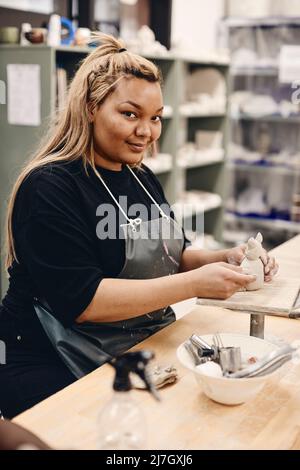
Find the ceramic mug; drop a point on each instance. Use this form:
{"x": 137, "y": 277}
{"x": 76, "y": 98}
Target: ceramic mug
{"x": 9, "y": 35}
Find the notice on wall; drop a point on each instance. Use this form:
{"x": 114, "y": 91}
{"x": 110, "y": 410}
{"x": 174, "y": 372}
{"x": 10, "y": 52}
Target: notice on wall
{"x": 24, "y": 94}
{"x": 289, "y": 64}
{"x": 42, "y": 6}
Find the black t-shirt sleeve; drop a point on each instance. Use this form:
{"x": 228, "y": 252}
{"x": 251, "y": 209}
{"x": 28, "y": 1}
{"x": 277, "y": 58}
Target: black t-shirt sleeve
{"x": 58, "y": 249}
{"x": 160, "y": 190}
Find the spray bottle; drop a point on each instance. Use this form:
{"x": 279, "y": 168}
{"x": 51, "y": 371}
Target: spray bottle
{"x": 121, "y": 423}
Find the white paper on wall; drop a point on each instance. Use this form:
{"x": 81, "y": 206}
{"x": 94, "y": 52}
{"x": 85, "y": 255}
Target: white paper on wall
{"x": 42, "y": 6}
{"x": 24, "y": 94}
{"x": 289, "y": 64}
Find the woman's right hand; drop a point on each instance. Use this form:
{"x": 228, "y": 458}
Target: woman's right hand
{"x": 219, "y": 280}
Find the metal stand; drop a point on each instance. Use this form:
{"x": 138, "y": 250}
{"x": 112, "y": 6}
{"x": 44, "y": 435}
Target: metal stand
{"x": 257, "y": 325}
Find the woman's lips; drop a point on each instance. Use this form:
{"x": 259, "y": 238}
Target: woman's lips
{"x": 137, "y": 148}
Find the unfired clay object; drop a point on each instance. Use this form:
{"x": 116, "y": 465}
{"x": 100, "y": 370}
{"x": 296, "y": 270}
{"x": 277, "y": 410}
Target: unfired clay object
{"x": 159, "y": 376}
{"x": 252, "y": 263}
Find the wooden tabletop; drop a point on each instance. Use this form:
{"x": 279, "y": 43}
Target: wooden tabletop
{"x": 185, "y": 418}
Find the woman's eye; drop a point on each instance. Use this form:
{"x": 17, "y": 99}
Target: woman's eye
{"x": 129, "y": 114}
{"x": 156, "y": 118}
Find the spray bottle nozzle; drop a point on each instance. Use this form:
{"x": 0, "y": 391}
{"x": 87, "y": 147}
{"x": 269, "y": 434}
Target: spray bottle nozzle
{"x": 135, "y": 362}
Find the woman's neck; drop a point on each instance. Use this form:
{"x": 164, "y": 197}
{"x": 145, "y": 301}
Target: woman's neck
{"x": 107, "y": 164}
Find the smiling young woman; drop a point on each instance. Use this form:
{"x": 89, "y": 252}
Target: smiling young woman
{"x": 131, "y": 119}
{"x": 76, "y": 298}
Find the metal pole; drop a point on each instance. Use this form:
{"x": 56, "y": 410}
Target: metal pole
{"x": 257, "y": 325}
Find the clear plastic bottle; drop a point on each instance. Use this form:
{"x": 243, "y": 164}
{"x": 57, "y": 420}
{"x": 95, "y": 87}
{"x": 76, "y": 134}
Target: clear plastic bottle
{"x": 122, "y": 423}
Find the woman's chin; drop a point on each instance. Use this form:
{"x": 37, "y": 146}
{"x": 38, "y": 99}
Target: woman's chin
{"x": 132, "y": 159}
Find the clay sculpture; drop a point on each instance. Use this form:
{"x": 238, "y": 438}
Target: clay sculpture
{"x": 252, "y": 263}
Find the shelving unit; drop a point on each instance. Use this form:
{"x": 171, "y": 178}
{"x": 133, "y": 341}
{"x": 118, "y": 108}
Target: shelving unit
{"x": 273, "y": 224}
{"x": 267, "y": 169}
{"x": 203, "y": 174}
{"x": 268, "y": 118}
{"x": 199, "y": 115}
{"x": 266, "y": 21}
{"x": 202, "y": 170}
{"x": 263, "y": 153}
{"x": 162, "y": 163}
{"x": 256, "y": 71}
{"x": 203, "y": 159}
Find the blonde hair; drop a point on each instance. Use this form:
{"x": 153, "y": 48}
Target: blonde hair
{"x": 71, "y": 132}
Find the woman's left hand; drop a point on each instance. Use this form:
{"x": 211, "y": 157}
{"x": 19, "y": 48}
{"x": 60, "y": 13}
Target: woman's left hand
{"x": 270, "y": 266}
{"x": 236, "y": 255}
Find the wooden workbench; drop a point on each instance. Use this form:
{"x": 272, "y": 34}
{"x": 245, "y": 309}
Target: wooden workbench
{"x": 186, "y": 418}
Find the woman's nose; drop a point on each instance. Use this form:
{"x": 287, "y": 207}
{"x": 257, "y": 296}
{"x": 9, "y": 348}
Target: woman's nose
{"x": 143, "y": 130}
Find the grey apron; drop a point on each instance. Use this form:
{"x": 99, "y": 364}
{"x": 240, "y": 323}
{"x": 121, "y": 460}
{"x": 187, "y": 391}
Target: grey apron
{"x": 152, "y": 249}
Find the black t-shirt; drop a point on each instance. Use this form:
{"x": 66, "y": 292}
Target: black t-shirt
{"x": 55, "y": 224}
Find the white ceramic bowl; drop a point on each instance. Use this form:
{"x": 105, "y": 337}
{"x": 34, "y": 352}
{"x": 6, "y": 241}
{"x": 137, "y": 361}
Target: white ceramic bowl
{"x": 231, "y": 391}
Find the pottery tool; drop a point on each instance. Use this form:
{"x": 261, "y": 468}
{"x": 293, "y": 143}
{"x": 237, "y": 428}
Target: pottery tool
{"x": 293, "y": 313}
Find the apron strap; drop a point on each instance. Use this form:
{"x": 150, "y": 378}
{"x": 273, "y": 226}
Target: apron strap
{"x": 107, "y": 188}
{"x": 137, "y": 221}
{"x": 147, "y": 192}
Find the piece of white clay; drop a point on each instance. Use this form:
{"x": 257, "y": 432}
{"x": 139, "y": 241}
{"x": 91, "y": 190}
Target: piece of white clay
{"x": 210, "y": 368}
{"x": 159, "y": 376}
{"x": 252, "y": 263}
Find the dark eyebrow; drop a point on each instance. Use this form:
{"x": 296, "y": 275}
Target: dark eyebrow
{"x": 138, "y": 106}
